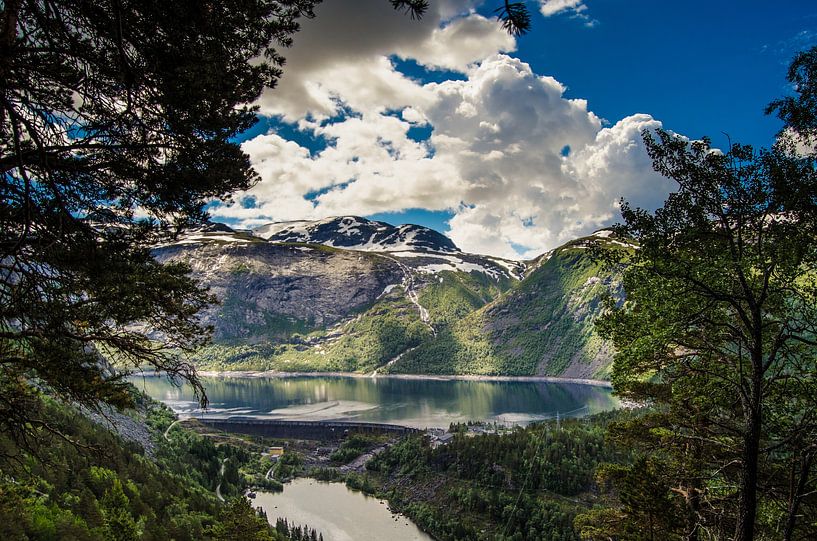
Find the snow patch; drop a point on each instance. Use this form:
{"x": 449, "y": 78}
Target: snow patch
{"x": 388, "y": 290}
{"x": 456, "y": 264}
{"x": 199, "y": 238}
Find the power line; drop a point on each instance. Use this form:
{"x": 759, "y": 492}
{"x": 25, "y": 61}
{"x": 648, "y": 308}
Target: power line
{"x": 525, "y": 483}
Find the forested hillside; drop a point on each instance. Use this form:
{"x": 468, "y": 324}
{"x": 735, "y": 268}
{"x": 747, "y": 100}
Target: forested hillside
{"x": 85, "y": 483}
{"x": 527, "y": 484}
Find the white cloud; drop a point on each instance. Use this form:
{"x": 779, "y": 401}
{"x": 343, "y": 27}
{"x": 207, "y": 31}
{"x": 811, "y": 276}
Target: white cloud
{"x": 519, "y": 185}
{"x": 552, "y": 7}
{"x": 577, "y": 8}
{"x": 459, "y": 44}
{"x": 497, "y": 152}
{"x": 342, "y": 55}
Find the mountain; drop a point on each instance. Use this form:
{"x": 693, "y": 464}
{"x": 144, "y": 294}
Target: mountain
{"x": 543, "y": 325}
{"x": 351, "y": 294}
{"x": 354, "y": 233}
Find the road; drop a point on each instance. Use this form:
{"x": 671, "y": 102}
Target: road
{"x": 221, "y": 474}
{"x": 174, "y": 423}
{"x": 391, "y": 362}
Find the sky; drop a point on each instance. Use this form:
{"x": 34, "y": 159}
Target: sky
{"x": 510, "y": 146}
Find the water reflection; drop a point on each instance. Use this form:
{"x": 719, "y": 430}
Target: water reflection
{"x": 338, "y": 513}
{"x": 412, "y": 402}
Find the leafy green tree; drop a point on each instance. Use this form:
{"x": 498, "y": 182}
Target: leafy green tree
{"x": 649, "y": 509}
{"x": 719, "y": 328}
{"x": 238, "y": 521}
{"x": 115, "y": 127}
{"x": 799, "y": 112}
{"x": 119, "y": 522}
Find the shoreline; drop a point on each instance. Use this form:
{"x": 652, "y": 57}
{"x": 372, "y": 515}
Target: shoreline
{"x": 427, "y": 377}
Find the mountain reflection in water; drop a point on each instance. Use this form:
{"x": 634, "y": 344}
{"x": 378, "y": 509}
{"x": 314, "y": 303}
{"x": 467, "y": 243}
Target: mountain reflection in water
{"x": 418, "y": 403}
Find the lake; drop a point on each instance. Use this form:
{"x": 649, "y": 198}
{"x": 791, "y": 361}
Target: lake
{"x": 419, "y": 403}
{"x": 337, "y": 512}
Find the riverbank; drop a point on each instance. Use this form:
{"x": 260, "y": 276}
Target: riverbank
{"x": 423, "y": 377}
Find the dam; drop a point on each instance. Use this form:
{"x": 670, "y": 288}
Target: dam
{"x": 302, "y": 430}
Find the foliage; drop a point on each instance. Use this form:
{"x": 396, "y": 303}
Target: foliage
{"x": 355, "y": 445}
{"x": 99, "y": 487}
{"x": 239, "y": 522}
{"x": 524, "y": 484}
{"x": 289, "y": 466}
{"x": 799, "y": 112}
{"x": 649, "y": 509}
{"x": 718, "y": 332}
{"x": 296, "y": 533}
{"x": 454, "y": 295}
{"x": 514, "y": 17}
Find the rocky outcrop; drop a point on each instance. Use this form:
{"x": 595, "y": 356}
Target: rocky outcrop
{"x": 268, "y": 290}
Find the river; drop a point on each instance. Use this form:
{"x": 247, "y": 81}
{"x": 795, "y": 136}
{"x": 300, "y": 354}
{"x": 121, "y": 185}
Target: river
{"x": 419, "y": 403}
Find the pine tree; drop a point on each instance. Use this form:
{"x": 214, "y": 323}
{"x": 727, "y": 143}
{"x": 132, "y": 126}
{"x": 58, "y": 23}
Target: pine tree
{"x": 718, "y": 329}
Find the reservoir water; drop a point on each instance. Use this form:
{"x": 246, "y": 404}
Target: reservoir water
{"x": 419, "y": 403}
{"x": 337, "y": 512}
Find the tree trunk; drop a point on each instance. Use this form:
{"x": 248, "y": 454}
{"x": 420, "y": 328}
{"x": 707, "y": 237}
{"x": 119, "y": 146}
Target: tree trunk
{"x": 692, "y": 496}
{"x": 8, "y": 33}
{"x": 747, "y": 503}
{"x": 797, "y": 494}
{"x": 693, "y": 503}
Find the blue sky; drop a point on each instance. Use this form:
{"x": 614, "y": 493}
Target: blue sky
{"x": 452, "y": 124}
{"x": 702, "y": 67}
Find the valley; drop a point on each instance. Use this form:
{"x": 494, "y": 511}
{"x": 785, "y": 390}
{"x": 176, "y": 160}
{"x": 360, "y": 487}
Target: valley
{"x": 352, "y": 295}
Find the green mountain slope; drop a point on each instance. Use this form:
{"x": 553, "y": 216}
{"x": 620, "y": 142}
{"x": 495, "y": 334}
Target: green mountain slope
{"x": 541, "y": 326}
{"x": 389, "y": 328}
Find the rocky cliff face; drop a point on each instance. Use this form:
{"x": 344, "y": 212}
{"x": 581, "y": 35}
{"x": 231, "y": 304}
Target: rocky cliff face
{"x": 356, "y": 295}
{"x": 269, "y": 291}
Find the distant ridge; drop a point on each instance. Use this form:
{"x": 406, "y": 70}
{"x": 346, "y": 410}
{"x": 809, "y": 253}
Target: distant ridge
{"x": 356, "y": 233}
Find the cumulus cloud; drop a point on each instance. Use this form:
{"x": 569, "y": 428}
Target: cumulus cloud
{"x": 577, "y": 8}
{"x": 370, "y": 166}
{"x": 511, "y": 154}
{"x": 341, "y": 57}
{"x": 522, "y": 167}
{"x": 459, "y": 44}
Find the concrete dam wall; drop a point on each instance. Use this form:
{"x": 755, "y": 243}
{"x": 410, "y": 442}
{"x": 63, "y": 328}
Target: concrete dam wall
{"x": 302, "y": 430}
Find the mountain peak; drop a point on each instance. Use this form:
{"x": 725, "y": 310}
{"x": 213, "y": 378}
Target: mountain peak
{"x": 356, "y": 233}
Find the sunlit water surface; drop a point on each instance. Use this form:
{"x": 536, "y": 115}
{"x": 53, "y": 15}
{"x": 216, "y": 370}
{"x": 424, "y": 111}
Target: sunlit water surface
{"x": 418, "y": 403}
